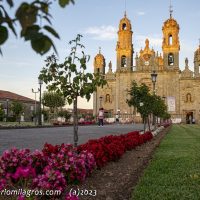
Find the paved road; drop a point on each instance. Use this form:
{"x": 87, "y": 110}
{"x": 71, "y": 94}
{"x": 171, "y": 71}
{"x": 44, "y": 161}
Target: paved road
{"x": 36, "y": 137}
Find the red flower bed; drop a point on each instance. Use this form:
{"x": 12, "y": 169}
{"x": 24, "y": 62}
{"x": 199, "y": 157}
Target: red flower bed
{"x": 166, "y": 124}
{"x": 147, "y": 136}
{"x": 56, "y": 167}
{"x": 86, "y": 123}
{"x": 111, "y": 148}
{"x": 53, "y": 168}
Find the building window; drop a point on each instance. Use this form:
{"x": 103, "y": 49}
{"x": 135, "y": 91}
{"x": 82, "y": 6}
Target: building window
{"x": 170, "y": 40}
{"x": 124, "y": 27}
{"x": 189, "y": 98}
{"x": 98, "y": 70}
{"x": 123, "y": 61}
{"x": 171, "y": 59}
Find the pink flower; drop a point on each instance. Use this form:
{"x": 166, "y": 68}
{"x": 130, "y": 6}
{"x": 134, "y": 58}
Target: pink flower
{"x": 20, "y": 197}
{"x": 24, "y": 172}
{"x": 2, "y": 184}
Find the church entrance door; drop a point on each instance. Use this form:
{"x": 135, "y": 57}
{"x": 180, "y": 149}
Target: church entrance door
{"x": 189, "y": 118}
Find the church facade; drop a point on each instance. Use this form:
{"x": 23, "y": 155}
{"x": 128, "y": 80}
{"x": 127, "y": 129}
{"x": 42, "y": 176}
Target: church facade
{"x": 179, "y": 89}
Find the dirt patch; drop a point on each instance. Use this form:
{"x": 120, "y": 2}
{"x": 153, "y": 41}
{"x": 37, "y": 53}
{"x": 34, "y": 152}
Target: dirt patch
{"x": 116, "y": 180}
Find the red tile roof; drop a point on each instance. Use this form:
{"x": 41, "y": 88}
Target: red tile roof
{"x": 12, "y": 96}
{"x": 81, "y": 110}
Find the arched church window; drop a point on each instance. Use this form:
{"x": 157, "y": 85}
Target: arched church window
{"x": 171, "y": 59}
{"x": 108, "y": 98}
{"x": 124, "y": 27}
{"x": 98, "y": 70}
{"x": 123, "y": 61}
{"x": 170, "y": 40}
{"x": 188, "y": 97}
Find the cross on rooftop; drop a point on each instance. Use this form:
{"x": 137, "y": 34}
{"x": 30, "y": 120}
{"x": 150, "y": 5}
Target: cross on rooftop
{"x": 170, "y": 9}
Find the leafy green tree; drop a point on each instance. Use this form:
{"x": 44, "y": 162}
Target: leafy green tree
{"x": 158, "y": 107}
{"x": 166, "y": 116}
{"x": 34, "y": 19}
{"x": 2, "y": 113}
{"x": 146, "y": 103}
{"x": 141, "y": 99}
{"x": 64, "y": 113}
{"x": 46, "y": 114}
{"x": 53, "y": 100}
{"x": 71, "y": 79}
{"x": 17, "y": 109}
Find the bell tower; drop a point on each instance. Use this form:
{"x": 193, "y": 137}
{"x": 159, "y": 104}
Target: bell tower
{"x": 197, "y": 62}
{"x": 99, "y": 63}
{"x": 124, "y": 46}
{"x": 171, "y": 44}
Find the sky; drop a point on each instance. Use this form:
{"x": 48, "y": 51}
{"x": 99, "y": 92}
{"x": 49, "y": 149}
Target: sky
{"x": 98, "y": 22}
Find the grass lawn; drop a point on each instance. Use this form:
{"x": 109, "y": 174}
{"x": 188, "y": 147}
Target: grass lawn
{"x": 174, "y": 172}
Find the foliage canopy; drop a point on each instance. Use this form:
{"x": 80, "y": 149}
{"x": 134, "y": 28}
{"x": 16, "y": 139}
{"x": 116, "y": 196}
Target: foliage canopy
{"x": 70, "y": 78}
{"x": 34, "y": 19}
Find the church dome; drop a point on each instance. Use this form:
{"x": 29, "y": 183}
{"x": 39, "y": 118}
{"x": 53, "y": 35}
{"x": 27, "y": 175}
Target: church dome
{"x": 99, "y": 60}
{"x": 125, "y": 24}
{"x": 99, "y": 56}
{"x": 197, "y": 52}
{"x": 171, "y": 22}
{"x": 147, "y": 52}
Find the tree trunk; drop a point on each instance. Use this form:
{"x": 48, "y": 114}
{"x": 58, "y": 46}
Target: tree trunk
{"x": 75, "y": 122}
{"x": 149, "y": 123}
{"x": 144, "y": 120}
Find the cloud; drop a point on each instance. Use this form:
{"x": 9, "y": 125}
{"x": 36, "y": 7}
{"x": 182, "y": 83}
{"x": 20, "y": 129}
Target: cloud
{"x": 17, "y": 63}
{"x": 102, "y": 33}
{"x": 141, "y": 13}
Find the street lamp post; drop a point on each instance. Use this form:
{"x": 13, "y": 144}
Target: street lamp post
{"x": 40, "y": 107}
{"x": 35, "y": 92}
{"x": 164, "y": 97}
{"x": 7, "y": 100}
{"x": 100, "y": 99}
{"x": 144, "y": 121}
{"x": 153, "y": 78}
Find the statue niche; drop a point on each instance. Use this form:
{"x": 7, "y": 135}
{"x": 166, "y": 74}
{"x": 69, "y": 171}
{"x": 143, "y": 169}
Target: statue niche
{"x": 188, "y": 98}
{"x": 108, "y": 99}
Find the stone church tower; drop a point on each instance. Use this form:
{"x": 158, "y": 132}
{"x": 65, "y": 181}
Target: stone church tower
{"x": 99, "y": 63}
{"x": 99, "y": 67}
{"x": 171, "y": 44}
{"x": 179, "y": 89}
{"x": 124, "y": 46}
{"x": 197, "y": 62}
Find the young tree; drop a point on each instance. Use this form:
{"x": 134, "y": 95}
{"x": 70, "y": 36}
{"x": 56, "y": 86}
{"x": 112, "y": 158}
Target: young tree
{"x": 2, "y": 113}
{"x": 71, "y": 79}
{"x": 17, "y": 109}
{"x": 146, "y": 103}
{"x": 53, "y": 100}
{"x": 166, "y": 116}
{"x": 35, "y": 22}
{"x": 158, "y": 106}
{"x": 64, "y": 113}
{"x": 141, "y": 99}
